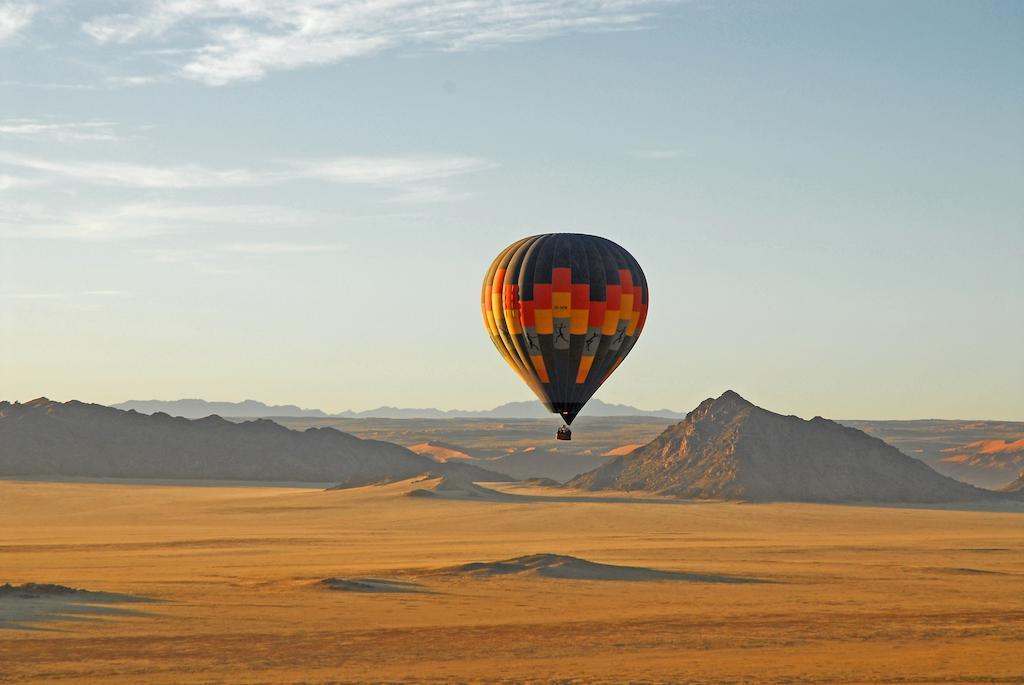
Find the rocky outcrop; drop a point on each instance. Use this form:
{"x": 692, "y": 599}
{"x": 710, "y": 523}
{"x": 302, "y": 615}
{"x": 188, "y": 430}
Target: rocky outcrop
{"x": 728, "y": 448}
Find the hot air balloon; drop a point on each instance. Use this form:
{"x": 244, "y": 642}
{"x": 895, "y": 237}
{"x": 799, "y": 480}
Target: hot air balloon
{"x": 564, "y": 310}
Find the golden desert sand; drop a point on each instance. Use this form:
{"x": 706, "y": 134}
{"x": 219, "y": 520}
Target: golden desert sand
{"x": 285, "y": 585}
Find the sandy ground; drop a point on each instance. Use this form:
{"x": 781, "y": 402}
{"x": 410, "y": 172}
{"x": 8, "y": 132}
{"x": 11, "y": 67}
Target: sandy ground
{"x": 851, "y": 594}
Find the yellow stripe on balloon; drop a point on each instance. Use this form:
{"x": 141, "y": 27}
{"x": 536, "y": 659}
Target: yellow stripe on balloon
{"x": 545, "y": 321}
{"x": 513, "y": 321}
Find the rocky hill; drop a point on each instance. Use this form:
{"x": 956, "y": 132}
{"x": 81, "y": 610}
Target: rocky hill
{"x": 43, "y": 438}
{"x": 729, "y": 448}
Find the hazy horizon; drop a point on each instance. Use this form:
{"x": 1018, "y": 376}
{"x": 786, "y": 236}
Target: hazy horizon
{"x": 296, "y": 205}
{"x": 589, "y": 411}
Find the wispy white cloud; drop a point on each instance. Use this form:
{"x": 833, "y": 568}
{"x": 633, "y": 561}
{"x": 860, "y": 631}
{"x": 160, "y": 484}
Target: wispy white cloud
{"x": 389, "y": 170}
{"x": 140, "y": 220}
{"x": 14, "y": 17}
{"x": 240, "y": 54}
{"x": 418, "y": 179}
{"x": 247, "y": 215}
{"x": 247, "y": 39}
{"x": 59, "y": 131}
{"x": 130, "y": 175}
{"x": 234, "y": 258}
{"x": 410, "y": 179}
{"x": 131, "y": 81}
{"x": 8, "y": 182}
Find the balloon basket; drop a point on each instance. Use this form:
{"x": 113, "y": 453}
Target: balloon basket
{"x": 563, "y": 433}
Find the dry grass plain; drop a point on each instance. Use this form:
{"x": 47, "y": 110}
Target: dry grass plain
{"x": 854, "y": 594}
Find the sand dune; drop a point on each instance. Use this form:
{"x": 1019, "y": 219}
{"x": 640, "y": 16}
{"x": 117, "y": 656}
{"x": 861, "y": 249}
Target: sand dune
{"x": 441, "y": 451}
{"x": 621, "y": 450}
{"x": 997, "y": 446}
{"x": 450, "y": 487}
{"x": 572, "y": 568}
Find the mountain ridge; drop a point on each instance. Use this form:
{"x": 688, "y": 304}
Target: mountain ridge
{"x": 43, "y": 438}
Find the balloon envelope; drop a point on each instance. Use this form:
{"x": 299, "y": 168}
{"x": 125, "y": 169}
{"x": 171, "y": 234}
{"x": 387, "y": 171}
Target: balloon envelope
{"x": 564, "y": 310}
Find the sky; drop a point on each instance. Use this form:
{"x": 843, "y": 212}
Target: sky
{"x": 295, "y": 202}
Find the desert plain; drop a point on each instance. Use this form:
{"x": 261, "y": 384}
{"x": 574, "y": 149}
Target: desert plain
{"x": 223, "y": 584}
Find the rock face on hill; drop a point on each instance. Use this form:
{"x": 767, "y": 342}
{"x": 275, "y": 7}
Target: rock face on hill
{"x": 43, "y": 438}
{"x": 728, "y": 448}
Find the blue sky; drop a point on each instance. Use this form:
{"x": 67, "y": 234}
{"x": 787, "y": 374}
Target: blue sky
{"x": 295, "y": 202}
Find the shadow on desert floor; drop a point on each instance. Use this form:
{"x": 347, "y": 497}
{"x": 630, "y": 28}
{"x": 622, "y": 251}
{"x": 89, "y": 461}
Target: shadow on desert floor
{"x": 565, "y": 567}
{"x": 505, "y": 492}
{"x": 545, "y": 566}
{"x": 374, "y": 585}
{"x": 23, "y": 607}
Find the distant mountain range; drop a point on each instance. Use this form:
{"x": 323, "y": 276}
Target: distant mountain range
{"x": 728, "y": 448}
{"x": 48, "y": 439}
{"x": 983, "y": 453}
{"x": 197, "y": 409}
{"x": 200, "y": 409}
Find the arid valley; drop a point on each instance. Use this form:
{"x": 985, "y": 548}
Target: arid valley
{"x": 511, "y": 341}
{"x": 232, "y": 579}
